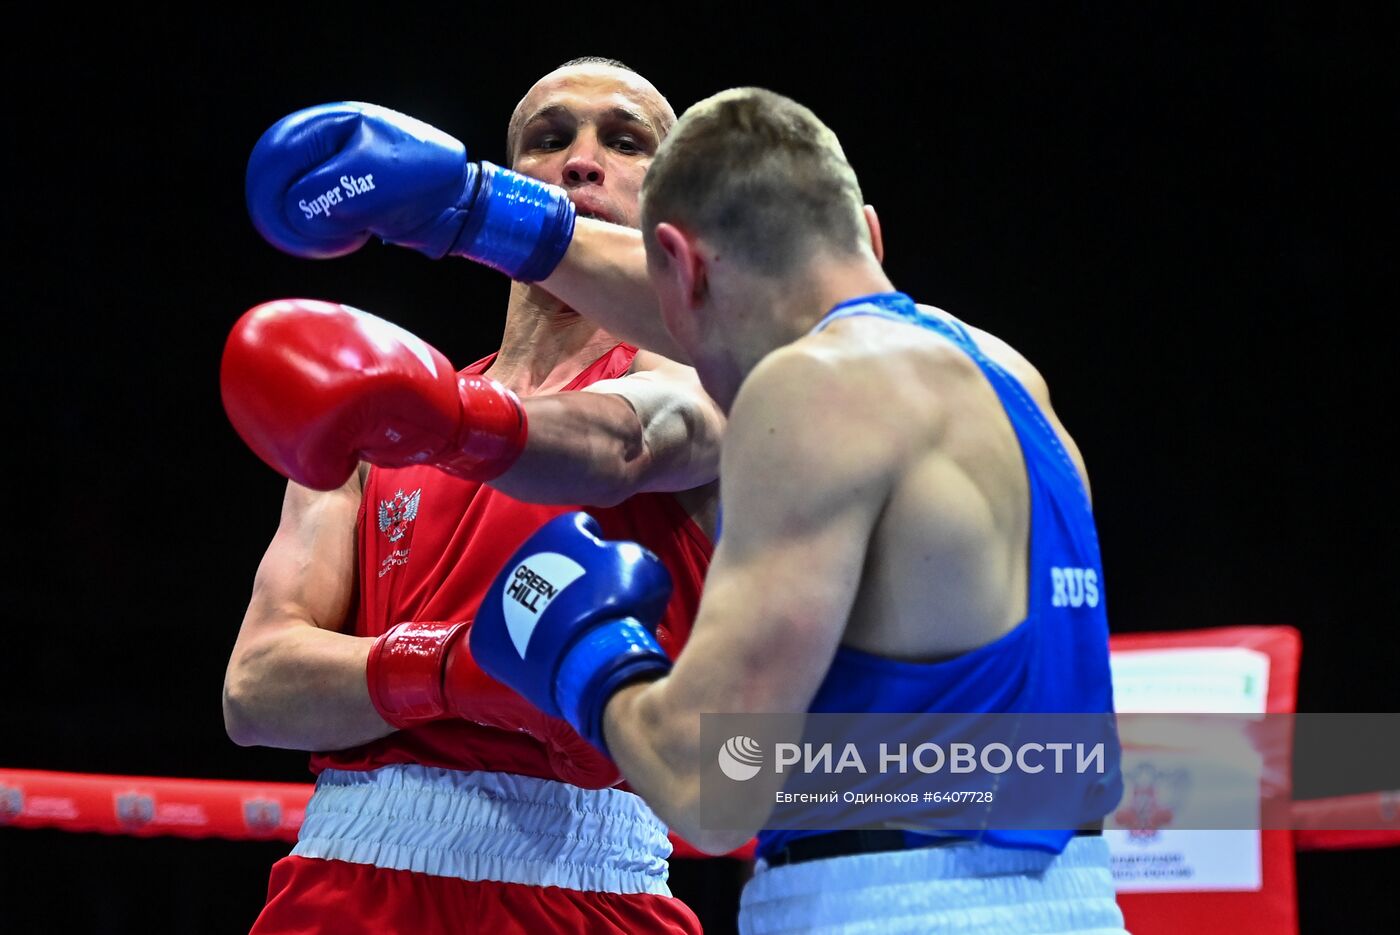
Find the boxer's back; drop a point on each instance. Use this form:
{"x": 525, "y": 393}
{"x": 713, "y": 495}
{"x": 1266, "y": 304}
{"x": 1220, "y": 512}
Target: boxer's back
{"x": 947, "y": 566}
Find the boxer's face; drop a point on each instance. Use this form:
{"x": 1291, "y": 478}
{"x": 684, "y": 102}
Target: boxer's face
{"x": 592, "y": 129}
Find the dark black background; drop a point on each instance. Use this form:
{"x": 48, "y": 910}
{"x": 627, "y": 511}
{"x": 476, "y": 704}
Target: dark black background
{"x": 1186, "y": 218}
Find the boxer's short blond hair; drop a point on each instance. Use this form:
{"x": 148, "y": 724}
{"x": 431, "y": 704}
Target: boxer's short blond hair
{"x": 760, "y": 174}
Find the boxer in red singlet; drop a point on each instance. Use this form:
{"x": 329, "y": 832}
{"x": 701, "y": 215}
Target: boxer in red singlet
{"x": 473, "y": 811}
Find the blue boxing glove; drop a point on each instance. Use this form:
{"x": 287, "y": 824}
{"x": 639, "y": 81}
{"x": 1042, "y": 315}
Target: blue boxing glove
{"x": 321, "y": 181}
{"x": 571, "y": 619}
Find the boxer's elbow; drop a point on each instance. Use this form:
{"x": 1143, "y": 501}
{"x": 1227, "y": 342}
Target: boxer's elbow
{"x": 245, "y": 699}
{"x": 612, "y": 477}
{"x": 665, "y": 749}
{"x": 241, "y": 732}
{"x": 667, "y": 470}
{"x": 674, "y": 448}
{"x": 239, "y": 721}
{"x": 622, "y": 469}
{"x": 692, "y": 817}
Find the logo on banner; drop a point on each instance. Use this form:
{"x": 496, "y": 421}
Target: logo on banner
{"x": 262, "y": 815}
{"x": 135, "y": 809}
{"x": 740, "y": 758}
{"x": 1153, "y": 798}
{"x": 11, "y": 803}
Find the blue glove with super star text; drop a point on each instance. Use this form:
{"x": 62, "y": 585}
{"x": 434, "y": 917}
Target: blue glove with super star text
{"x": 571, "y": 619}
{"x": 323, "y": 180}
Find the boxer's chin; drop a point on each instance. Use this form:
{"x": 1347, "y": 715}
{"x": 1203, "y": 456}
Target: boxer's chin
{"x": 597, "y": 216}
{"x": 596, "y": 211}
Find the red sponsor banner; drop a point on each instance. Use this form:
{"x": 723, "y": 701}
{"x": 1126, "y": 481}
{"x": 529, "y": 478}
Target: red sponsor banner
{"x": 1348, "y": 822}
{"x": 190, "y": 808}
{"x": 148, "y": 805}
{"x": 1272, "y": 909}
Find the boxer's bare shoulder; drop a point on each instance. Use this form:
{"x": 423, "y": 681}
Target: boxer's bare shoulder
{"x": 821, "y": 414}
{"x": 809, "y": 457}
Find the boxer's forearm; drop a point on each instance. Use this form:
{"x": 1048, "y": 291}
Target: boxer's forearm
{"x": 603, "y": 277}
{"x": 657, "y": 748}
{"x": 301, "y": 688}
{"x": 594, "y": 448}
{"x": 581, "y": 448}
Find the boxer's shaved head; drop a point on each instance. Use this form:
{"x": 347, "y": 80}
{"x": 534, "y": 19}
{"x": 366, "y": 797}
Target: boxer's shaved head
{"x": 636, "y": 97}
{"x": 760, "y": 174}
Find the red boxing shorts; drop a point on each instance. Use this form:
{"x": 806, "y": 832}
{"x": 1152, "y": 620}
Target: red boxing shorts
{"x": 425, "y": 850}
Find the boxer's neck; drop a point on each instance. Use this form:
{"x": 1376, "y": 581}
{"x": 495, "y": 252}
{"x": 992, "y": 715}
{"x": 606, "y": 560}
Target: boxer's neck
{"x": 545, "y": 344}
{"x": 757, "y": 315}
{"x": 828, "y": 281}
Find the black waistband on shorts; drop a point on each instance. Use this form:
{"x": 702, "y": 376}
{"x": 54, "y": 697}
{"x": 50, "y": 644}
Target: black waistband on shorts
{"x": 861, "y": 841}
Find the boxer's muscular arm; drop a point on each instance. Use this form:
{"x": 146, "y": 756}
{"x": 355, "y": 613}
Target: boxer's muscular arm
{"x": 807, "y": 468}
{"x": 293, "y": 681}
{"x": 652, "y": 430}
{"x": 603, "y": 277}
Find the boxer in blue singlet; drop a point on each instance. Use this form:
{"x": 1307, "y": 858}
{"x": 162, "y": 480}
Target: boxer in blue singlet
{"x": 907, "y": 528}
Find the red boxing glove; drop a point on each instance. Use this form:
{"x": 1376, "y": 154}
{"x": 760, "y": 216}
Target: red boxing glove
{"x": 315, "y": 387}
{"x": 420, "y": 672}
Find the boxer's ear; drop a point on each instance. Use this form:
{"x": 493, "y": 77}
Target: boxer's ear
{"x": 877, "y": 239}
{"x": 687, "y": 267}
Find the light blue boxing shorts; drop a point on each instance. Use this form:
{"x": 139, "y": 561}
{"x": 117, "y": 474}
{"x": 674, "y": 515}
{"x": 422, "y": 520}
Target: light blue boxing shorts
{"x": 961, "y": 888}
